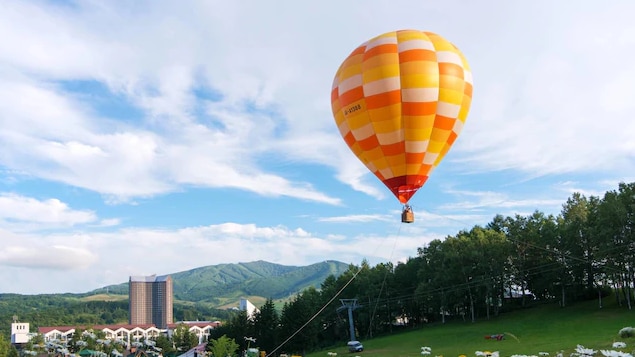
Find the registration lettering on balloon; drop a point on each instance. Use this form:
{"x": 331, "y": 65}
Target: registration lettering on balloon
{"x": 352, "y": 109}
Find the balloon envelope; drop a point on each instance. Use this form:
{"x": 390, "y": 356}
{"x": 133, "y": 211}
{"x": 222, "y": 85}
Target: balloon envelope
{"x": 400, "y": 101}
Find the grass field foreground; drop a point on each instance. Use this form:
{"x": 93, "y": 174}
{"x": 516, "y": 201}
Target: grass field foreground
{"x": 547, "y": 329}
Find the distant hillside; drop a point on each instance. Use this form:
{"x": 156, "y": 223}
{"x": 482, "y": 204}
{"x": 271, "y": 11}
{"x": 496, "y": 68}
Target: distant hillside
{"x": 218, "y": 284}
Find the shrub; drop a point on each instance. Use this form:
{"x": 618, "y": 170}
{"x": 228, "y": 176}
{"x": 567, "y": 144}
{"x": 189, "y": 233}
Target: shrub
{"x": 627, "y": 332}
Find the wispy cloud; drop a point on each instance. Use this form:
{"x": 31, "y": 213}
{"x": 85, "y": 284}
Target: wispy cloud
{"x": 56, "y": 257}
{"x": 357, "y": 218}
{"x": 112, "y": 256}
{"x": 20, "y": 211}
{"x": 495, "y": 200}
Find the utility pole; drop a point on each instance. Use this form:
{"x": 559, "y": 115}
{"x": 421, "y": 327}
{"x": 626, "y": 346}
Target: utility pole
{"x": 350, "y": 305}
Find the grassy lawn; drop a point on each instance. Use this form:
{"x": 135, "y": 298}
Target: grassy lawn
{"x": 538, "y": 329}
{"x": 105, "y": 297}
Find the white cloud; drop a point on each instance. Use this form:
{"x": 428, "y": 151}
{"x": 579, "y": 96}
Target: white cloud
{"x": 496, "y": 200}
{"x": 17, "y": 210}
{"x": 109, "y": 222}
{"x": 127, "y": 161}
{"x": 558, "y": 110}
{"x": 111, "y": 257}
{"x": 357, "y": 218}
{"x": 57, "y": 257}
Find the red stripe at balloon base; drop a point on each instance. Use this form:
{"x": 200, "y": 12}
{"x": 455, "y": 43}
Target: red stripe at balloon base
{"x": 404, "y": 187}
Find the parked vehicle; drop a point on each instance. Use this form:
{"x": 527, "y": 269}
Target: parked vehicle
{"x": 355, "y": 346}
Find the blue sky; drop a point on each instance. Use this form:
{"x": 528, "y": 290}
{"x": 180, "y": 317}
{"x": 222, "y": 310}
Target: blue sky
{"x": 155, "y": 137}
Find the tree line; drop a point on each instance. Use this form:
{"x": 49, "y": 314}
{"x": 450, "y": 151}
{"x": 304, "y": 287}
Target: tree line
{"x": 585, "y": 252}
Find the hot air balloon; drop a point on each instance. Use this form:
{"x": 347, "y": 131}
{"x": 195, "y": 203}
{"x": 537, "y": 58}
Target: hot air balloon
{"x": 400, "y": 101}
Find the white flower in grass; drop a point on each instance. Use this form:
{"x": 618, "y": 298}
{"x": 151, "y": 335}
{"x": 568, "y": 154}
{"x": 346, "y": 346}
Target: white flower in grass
{"x": 425, "y": 350}
{"x": 619, "y": 345}
{"x": 479, "y": 353}
{"x": 543, "y": 353}
{"x": 611, "y": 353}
{"x": 583, "y": 351}
{"x": 332, "y": 354}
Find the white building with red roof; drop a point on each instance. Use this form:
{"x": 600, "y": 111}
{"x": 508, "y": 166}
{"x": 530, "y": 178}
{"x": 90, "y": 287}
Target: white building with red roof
{"x": 128, "y": 332}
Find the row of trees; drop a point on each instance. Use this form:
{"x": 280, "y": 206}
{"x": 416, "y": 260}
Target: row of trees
{"x": 584, "y": 252}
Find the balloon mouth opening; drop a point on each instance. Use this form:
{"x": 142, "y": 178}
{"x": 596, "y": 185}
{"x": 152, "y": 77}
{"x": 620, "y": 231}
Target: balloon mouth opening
{"x": 405, "y": 192}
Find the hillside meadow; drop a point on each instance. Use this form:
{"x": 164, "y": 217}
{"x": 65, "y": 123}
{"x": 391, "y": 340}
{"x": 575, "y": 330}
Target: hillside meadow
{"x": 546, "y": 328}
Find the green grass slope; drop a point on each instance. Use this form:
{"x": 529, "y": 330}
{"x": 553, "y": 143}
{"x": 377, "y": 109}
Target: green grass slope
{"x": 546, "y": 328}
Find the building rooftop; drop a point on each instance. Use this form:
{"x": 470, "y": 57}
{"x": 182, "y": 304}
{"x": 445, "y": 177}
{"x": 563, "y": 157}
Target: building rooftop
{"x": 47, "y": 329}
{"x": 149, "y": 279}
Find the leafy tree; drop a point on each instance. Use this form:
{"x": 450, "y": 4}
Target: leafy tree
{"x": 5, "y": 345}
{"x": 579, "y": 244}
{"x": 164, "y": 343}
{"x": 405, "y": 283}
{"x": 183, "y": 338}
{"x": 223, "y": 347}
{"x": 13, "y": 352}
{"x": 544, "y": 264}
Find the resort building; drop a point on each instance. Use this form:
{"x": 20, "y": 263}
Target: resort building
{"x": 246, "y": 305}
{"x": 151, "y": 299}
{"x": 129, "y": 333}
{"x": 20, "y": 333}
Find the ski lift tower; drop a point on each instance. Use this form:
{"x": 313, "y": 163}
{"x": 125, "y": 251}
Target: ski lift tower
{"x": 350, "y": 305}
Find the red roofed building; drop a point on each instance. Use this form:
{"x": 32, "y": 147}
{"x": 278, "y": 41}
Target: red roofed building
{"x": 129, "y": 332}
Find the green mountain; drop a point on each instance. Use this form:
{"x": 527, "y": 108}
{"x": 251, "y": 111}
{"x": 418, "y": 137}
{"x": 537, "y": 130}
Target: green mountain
{"x": 218, "y": 284}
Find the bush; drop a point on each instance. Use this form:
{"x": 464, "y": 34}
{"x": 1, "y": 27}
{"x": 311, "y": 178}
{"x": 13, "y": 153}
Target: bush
{"x": 627, "y": 332}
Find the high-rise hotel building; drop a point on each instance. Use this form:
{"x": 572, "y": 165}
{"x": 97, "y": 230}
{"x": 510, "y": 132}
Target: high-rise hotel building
{"x": 151, "y": 300}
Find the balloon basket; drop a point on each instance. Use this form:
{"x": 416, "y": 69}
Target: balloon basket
{"x": 407, "y": 216}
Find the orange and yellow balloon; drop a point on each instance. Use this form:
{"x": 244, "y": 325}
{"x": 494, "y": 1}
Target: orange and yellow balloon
{"x": 400, "y": 101}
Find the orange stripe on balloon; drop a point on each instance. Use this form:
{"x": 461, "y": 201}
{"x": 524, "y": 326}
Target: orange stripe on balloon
{"x": 451, "y": 138}
{"x": 445, "y": 123}
{"x": 417, "y": 55}
{"x": 381, "y": 49}
{"x": 414, "y": 158}
{"x": 350, "y": 139}
{"x": 468, "y": 89}
{"x": 369, "y": 143}
{"x": 383, "y": 99}
{"x": 351, "y": 96}
{"x": 451, "y": 69}
{"x": 393, "y": 149}
{"x": 418, "y": 108}
{"x": 359, "y": 50}
{"x": 423, "y": 170}
{"x": 334, "y": 94}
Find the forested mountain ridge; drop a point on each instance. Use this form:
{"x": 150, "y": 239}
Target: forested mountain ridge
{"x": 198, "y": 294}
{"x": 217, "y": 284}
